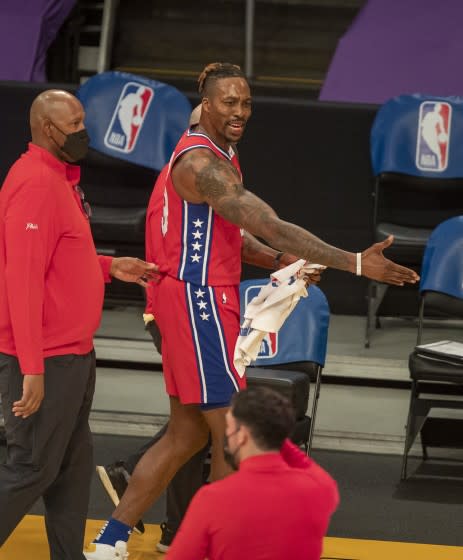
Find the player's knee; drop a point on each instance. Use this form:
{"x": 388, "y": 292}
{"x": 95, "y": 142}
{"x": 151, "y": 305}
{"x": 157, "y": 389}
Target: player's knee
{"x": 184, "y": 450}
{"x": 199, "y": 437}
{"x": 189, "y": 442}
{"x": 202, "y": 439}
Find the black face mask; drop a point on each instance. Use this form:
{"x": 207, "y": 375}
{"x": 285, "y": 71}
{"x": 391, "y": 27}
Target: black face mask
{"x": 75, "y": 145}
{"x": 230, "y": 456}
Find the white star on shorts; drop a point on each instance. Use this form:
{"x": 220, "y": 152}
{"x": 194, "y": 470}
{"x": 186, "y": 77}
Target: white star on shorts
{"x": 198, "y": 223}
{"x": 204, "y": 316}
{"x": 195, "y": 258}
{"x": 199, "y": 293}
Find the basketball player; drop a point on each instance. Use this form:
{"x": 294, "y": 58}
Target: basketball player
{"x": 196, "y": 302}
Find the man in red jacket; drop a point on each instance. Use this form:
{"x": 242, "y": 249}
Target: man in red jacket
{"x": 51, "y": 296}
{"x": 277, "y": 491}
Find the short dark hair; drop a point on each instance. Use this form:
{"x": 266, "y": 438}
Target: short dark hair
{"x": 268, "y": 415}
{"x": 215, "y": 71}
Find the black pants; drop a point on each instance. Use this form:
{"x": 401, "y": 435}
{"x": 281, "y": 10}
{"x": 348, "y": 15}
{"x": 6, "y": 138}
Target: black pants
{"x": 50, "y": 453}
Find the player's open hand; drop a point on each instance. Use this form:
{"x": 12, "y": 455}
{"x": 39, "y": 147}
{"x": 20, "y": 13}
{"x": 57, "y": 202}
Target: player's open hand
{"x": 377, "y": 267}
{"x": 131, "y": 269}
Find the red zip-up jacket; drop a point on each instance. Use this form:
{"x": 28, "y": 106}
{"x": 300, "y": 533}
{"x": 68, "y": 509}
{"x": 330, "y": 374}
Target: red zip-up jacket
{"x": 51, "y": 279}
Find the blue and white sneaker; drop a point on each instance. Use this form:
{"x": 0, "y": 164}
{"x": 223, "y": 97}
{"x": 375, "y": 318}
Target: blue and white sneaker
{"x": 97, "y": 551}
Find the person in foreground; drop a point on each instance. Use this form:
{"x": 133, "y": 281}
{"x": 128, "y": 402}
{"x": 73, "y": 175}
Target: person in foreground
{"x": 279, "y": 503}
{"x": 51, "y": 299}
{"x": 198, "y": 244}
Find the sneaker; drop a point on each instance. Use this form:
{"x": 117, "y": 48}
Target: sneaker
{"x": 115, "y": 479}
{"x": 97, "y": 551}
{"x": 167, "y": 536}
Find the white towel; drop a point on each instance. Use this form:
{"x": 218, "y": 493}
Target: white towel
{"x": 268, "y": 311}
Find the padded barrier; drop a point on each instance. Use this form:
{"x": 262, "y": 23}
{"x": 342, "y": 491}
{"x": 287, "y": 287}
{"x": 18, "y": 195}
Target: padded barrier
{"x": 442, "y": 269}
{"x": 303, "y": 336}
{"x": 419, "y": 135}
{"x": 133, "y": 118}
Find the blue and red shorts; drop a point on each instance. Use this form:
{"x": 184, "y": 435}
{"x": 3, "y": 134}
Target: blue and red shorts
{"x": 199, "y": 327}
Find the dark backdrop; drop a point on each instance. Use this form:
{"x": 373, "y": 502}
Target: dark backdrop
{"x": 309, "y": 160}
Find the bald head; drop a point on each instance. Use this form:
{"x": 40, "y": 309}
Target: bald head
{"x": 53, "y": 104}
{"x": 54, "y": 115}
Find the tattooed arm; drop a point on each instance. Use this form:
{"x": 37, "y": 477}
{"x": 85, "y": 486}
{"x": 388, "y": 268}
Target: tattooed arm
{"x": 200, "y": 176}
{"x": 258, "y": 254}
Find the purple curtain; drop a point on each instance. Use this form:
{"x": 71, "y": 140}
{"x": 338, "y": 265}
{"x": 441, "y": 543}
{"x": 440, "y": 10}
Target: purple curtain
{"x": 27, "y": 29}
{"x": 398, "y": 47}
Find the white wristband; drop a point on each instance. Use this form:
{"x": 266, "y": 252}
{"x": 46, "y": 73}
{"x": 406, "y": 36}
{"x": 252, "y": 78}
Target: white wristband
{"x": 358, "y": 268}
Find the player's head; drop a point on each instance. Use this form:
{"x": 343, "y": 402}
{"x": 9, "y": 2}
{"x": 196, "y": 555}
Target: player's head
{"x": 226, "y": 101}
{"x": 57, "y": 124}
{"x": 259, "y": 420}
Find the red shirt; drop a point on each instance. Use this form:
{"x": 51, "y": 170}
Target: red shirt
{"x": 192, "y": 242}
{"x": 278, "y": 505}
{"x": 51, "y": 279}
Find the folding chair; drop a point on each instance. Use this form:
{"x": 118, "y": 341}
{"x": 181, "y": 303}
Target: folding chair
{"x": 436, "y": 369}
{"x": 290, "y": 359}
{"x": 418, "y": 171}
{"x": 134, "y": 125}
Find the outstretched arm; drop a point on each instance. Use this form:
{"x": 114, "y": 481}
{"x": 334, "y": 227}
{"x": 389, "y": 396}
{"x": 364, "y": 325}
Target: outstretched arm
{"x": 199, "y": 176}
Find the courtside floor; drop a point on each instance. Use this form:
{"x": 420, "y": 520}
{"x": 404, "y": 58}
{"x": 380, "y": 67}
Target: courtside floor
{"x": 28, "y": 543}
{"x": 379, "y": 517}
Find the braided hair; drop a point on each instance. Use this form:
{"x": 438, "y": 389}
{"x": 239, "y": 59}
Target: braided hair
{"x": 215, "y": 71}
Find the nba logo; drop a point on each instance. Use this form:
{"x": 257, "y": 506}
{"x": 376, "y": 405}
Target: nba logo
{"x": 268, "y": 346}
{"x": 433, "y": 142}
{"x": 128, "y": 117}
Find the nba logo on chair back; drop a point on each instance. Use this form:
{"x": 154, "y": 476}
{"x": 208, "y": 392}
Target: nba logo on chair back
{"x": 128, "y": 117}
{"x": 433, "y": 139}
{"x": 269, "y": 345}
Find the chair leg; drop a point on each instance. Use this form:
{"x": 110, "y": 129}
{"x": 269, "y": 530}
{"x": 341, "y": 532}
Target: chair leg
{"x": 314, "y": 409}
{"x": 417, "y": 414}
{"x": 407, "y": 444}
{"x": 368, "y": 328}
{"x": 425, "y": 451}
{"x": 403, "y": 475}
{"x": 376, "y": 293}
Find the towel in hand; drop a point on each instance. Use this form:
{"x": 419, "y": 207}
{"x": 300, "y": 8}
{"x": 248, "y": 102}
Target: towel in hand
{"x": 269, "y": 309}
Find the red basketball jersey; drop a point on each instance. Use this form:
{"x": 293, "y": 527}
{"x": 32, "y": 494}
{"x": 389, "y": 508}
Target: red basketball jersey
{"x": 193, "y": 243}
